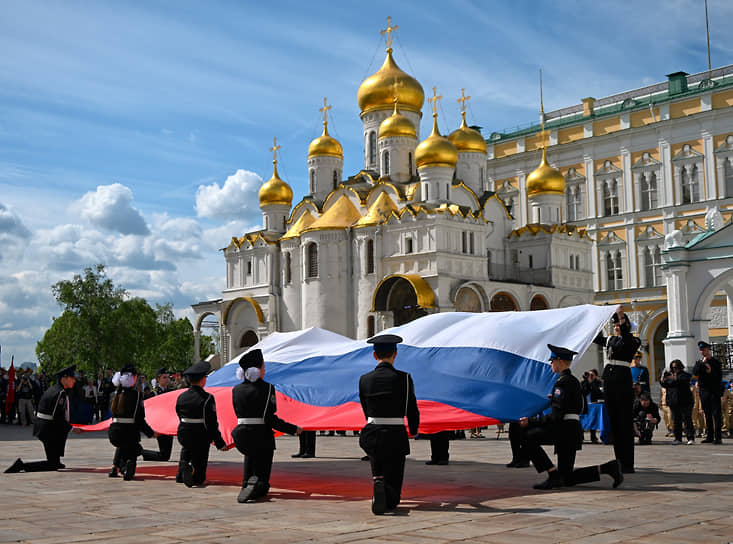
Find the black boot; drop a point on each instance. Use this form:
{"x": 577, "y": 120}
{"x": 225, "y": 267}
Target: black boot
{"x": 248, "y": 491}
{"x": 130, "y": 467}
{"x": 113, "y": 473}
{"x": 613, "y": 469}
{"x": 15, "y": 467}
{"x": 553, "y": 481}
{"x": 379, "y": 499}
{"x": 187, "y": 474}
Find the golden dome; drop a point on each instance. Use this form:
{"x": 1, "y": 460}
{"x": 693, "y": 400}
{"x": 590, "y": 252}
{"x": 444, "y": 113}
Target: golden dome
{"x": 467, "y": 139}
{"x": 325, "y": 146}
{"x": 436, "y": 150}
{"x": 545, "y": 179}
{"x": 397, "y": 125}
{"x": 275, "y": 190}
{"x": 377, "y": 91}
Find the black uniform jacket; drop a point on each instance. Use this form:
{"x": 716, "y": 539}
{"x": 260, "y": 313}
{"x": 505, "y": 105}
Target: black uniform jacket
{"x": 709, "y": 382}
{"x": 678, "y": 389}
{"x": 195, "y": 403}
{"x": 387, "y": 392}
{"x": 566, "y": 398}
{"x": 593, "y": 389}
{"x": 53, "y": 403}
{"x": 620, "y": 348}
{"x": 123, "y": 434}
{"x": 257, "y": 400}
{"x": 160, "y": 390}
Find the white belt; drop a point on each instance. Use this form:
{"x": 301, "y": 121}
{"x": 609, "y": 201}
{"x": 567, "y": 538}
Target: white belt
{"x": 618, "y": 363}
{"x": 41, "y": 415}
{"x": 386, "y": 420}
{"x": 123, "y": 420}
{"x": 571, "y": 417}
{"x": 192, "y": 420}
{"x": 250, "y": 421}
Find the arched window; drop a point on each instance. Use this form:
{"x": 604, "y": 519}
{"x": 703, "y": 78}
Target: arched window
{"x": 653, "y": 266}
{"x": 370, "y": 256}
{"x": 409, "y": 163}
{"x": 287, "y": 272}
{"x": 502, "y": 302}
{"x": 614, "y": 271}
{"x": 313, "y": 182}
{"x": 311, "y": 257}
{"x": 372, "y": 148}
{"x": 386, "y": 163}
{"x": 538, "y": 303}
{"x": 426, "y": 189}
{"x": 370, "y": 326}
{"x": 610, "y": 197}
{"x": 690, "y": 184}
{"x": 335, "y": 178}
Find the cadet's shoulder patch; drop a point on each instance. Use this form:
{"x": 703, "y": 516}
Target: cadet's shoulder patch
{"x": 557, "y": 392}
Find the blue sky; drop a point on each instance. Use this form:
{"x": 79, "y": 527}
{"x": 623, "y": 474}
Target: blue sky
{"x": 136, "y": 134}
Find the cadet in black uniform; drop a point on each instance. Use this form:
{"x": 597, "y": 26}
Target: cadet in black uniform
{"x": 128, "y": 421}
{"x": 52, "y": 424}
{"x": 561, "y": 427}
{"x": 709, "y": 377}
{"x": 255, "y": 407}
{"x": 165, "y": 441}
{"x": 618, "y": 387}
{"x": 387, "y": 396}
{"x": 198, "y": 426}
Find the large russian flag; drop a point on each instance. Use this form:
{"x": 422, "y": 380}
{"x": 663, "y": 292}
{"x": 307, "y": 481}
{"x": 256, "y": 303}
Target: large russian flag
{"x": 469, "y": 370}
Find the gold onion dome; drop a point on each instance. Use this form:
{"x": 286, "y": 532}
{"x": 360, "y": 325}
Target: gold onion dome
{"x": 325, "y": 146}
{"x": 397, "y": 125}
{"x": 377, "y": 91}
{"x": 545, "y": 179}
{"x": 467, "y": 139}
{"x": 436, "y": 150}
{"x": 275, "y": 190}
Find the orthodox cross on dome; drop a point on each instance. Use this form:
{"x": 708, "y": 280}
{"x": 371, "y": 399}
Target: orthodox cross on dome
{"x": 324, "y": 110}
{"x": 434, "y": 100}
{"x": 274, "y": 149}
{"x": 463, "y": 100}
{"x": 388, "y": 31}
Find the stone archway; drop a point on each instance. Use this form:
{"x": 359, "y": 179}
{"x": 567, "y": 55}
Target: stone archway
{"x": 503, "y": 302}
{"x": 468, "y": 300}
{"x": 538, "y": 302}
{"x": 405, "y": 297}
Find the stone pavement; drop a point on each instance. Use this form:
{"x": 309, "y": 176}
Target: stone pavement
{"x": 680, "y": 494}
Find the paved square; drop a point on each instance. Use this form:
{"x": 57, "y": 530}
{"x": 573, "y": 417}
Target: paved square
{"x": 680, "y": 494}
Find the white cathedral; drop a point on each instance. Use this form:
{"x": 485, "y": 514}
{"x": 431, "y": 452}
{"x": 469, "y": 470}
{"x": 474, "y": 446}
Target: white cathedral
{"x": 416, "y": 231}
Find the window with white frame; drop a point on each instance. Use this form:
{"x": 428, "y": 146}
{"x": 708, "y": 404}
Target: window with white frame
{"x": 609, "y": 188}
{"x": 408, "y": 245}
{"x": 370, "y": 256}
{"x": 728, "y": 176}
{"x": 648, "y": 183}
{"x": 574, "y": 195}
{"x": 311, "y": 259}
{"x": 653, "y": 266}
{"x": 646, "y": 173}
{"x": 287, "y": 270}
{"x": 372, "y": 148}
{"x": 313, "y": 181}
{"x": 688, "y": 173}
{"x": 614, "y": 270}
{"x": 690, "y": 184}
{"x": 610, "y": 197}
{"x": 386, "y": 163}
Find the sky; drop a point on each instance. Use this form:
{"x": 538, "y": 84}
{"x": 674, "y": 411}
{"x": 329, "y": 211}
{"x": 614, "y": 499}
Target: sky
{"x": 137, "y": 134}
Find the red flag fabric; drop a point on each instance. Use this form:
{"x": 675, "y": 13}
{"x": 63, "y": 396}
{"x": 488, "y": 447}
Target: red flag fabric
{"x": 10, "y": 398}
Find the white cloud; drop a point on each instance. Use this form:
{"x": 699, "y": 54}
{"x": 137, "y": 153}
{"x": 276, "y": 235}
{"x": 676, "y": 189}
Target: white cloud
{"x": 110, "y": 208}
{"x": 237, "y": 199}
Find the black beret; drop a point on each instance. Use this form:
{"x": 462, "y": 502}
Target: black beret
{"x": 68, "y": 371}
{"x": 197, "y": 370}
{"x": 385, "y": 342}
{"x": 702, "y": 345}
{"x": 160, "y": 371}
{"x": 253, "y": 358}
{"x": 557, "y": 352}
{"x": 128, "y": 369}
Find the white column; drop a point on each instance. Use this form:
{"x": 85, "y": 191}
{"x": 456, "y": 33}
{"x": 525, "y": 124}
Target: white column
{"x": 603, "y": 270}
{"x": 666, "y": 184}
{"x": 627, "y": 204}
{"x": 590, "y": 191}
{"x": 196, "y": 346}
{"x": 523, "y": 215}
{"x": 711, "y": 187}
{"x": 729, "y": 307}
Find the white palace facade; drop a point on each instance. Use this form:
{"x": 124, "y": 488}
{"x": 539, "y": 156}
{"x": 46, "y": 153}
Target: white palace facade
{"x": 467, "y": 223}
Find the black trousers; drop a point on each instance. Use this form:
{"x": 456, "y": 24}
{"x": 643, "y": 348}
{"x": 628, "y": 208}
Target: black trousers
{"x": 54, "y": 452}
{"x": 126, "y": 453}
{"x": 165, "y": 445}
{"x": 710, "y": 403}
{"x": 392, "y": 469}
{"x": 682, "y": 414}
{"x": 439, "y": 443}
{"x": 258, "y": 463}
{"x": 198, "y": 458}
{"x": 532, "y": 441}
{"x": 619, "y": 404}
{"x": 307, "y": 442}
{"x": 515, "y": 441}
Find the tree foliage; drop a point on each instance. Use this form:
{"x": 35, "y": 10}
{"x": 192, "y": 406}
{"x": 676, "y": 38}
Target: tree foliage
{"x": 101, "y": 327}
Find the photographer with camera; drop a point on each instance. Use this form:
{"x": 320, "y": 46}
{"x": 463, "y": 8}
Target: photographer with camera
{"x": 680, "y": 400}
{"x": 646, "y": 418}
{"x": 24, "y": 396}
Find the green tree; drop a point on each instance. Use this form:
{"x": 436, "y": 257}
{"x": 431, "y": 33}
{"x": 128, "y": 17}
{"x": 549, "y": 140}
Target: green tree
{"x": 175, "y": 345}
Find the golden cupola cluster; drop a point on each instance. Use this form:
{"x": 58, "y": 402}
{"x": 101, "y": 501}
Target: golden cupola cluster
{"x": 467, "y": 139}
{"x": 325, "y": 145}
{"x": 377, "y": 91}
{"x": 275, "y": 190}
{"x": 397, "y": 125}
{"x": 436, "y": 150}
{"x": 545, "y": 179}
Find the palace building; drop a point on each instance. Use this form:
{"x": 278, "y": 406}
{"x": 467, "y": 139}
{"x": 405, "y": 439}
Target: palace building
{"x": 573, "y": 210}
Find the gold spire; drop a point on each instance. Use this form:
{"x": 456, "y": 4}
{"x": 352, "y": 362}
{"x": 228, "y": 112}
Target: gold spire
{"x": 275, "y": 190}
{"x": 545, "y": 178}
{"x": 325, "y": 145}
{"x": 464, "y": 137}
{"x": 376, "y": 92}
{"x": 388, "y": 31}
{"x": 436, "y": 150}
